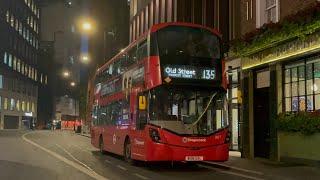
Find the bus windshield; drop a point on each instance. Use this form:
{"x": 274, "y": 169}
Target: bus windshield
{"x": 179, "y": 109}
{"x": 188, "y": 41}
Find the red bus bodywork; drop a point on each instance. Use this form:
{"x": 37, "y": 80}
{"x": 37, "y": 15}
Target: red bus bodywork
{"x": 171, "y": 146}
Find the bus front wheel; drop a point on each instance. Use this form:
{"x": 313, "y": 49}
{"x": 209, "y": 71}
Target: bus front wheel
{"x": 127, "y": 152}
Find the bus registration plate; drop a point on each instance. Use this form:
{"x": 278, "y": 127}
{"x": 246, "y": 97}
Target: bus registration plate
{"x": 194, "y": 158}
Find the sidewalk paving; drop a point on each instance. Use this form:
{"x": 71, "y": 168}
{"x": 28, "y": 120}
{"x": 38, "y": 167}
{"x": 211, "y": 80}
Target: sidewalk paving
{"x": 267, "y": 168}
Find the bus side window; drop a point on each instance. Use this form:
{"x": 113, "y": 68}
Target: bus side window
{"x": 142, "y": 112}
{"x": 142, "y": 50}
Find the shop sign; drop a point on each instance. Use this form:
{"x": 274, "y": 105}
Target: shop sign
{"x": 278, "y": 53}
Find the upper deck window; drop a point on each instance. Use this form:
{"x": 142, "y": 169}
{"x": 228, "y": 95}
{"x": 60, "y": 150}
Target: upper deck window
{"x": 188, "y": 41}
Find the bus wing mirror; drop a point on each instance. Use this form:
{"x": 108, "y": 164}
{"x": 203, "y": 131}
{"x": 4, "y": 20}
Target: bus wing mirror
{"x": 142, "y": 103}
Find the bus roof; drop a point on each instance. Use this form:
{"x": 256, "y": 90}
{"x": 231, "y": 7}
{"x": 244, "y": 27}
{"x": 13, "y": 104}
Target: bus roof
{"x": 154, "y": 29}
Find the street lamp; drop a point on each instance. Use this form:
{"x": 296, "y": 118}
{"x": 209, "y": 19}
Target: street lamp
{"x": 66, "y": 74}
{"x": 86, "y": 26}
{"x": 72, "y": 84}
{"x": 85, "y": 58}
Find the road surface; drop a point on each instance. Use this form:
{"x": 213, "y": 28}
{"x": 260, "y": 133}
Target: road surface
{"x": 65, "y": 155}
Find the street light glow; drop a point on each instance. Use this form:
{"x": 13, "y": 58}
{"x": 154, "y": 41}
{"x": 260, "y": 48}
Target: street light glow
{"x": 86, "y": 26}
{"x": 66, "y": 74}
{"x": 73, "y": 84}
{"x": 85, "y": 58}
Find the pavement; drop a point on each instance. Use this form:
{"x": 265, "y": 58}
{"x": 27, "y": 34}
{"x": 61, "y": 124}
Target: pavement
{"x": 66, "y": 155}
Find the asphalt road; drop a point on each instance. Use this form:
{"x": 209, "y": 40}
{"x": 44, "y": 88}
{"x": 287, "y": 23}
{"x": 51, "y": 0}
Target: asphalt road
{"x": 65, "y": 155}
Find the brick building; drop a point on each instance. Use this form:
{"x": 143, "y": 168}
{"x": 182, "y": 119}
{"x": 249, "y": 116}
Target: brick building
{"x": 280, "y": 72}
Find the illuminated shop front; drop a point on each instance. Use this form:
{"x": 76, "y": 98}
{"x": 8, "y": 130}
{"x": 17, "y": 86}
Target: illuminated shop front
{"x": 278, "y": 80}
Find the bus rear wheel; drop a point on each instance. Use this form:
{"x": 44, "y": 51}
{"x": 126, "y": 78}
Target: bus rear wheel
{"x": 127, "y": 152}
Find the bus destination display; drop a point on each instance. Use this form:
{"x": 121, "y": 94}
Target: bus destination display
{"x": 189, "y": 72}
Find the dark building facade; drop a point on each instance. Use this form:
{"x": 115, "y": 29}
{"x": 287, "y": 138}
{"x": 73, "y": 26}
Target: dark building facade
{"x": 61, "y": 26}
{"x": 111, "y": 34}
{"x": 20, "y": 75}
{"x": 45, "y": 91}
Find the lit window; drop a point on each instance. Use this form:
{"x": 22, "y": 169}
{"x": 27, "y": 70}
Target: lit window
{"x": 28, "y": 106}
{"x": 8, "y": 16}
{"x": 17, "y": 25}
{"x": 267, "y": 11}
{"x": 302, "y": 86}
{"x": 33, "y": 108}
{"x": 27, "y": 37}
{"x": 5, "y": 58}
{"x": 10, "y": 60}
{"x": 22, "y": 67}
{"x": 20, "y": 28}
{"x": 36, "y": 75}
{"x": 18, "y": 105}
{"x": 18, "y": 65}
{"x": 14, "y": 63}
{"x": 26, "y": 70}
{"x": 30, "y": 72}
{"x": 1, "y": 81}
{"x": 12, "y": 104}
{"x": 5, "y": 103}
{"x": 23, "y": 106}
{"x": 12, "y": 21}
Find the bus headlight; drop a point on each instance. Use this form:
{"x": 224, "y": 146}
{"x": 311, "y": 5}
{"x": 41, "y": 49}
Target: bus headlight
{"x": 154, "y": 135}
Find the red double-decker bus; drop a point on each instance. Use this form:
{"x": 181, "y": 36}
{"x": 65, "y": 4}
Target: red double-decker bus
{"x": 163, "y": 97}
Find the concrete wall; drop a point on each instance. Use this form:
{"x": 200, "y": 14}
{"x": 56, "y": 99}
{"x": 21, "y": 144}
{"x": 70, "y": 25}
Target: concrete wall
{"x": 297, "y": 146}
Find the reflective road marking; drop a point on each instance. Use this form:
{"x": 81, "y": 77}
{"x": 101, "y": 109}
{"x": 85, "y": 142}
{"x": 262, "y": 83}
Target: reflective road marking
{"x": 65, "y": 160}
{"x": 121, "y": 167}
{"x": 140, "y": 176}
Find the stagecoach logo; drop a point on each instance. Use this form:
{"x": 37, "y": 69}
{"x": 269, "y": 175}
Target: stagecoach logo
{"x": 186, "y": 140}
{"x": 114, "y": 139}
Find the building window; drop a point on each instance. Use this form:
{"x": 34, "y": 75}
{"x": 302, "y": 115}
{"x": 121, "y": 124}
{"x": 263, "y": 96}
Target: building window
{"x": 1, "y": 81}
{"x": 28, "y": 106}
{"x": 18, "y": 105}
{"x": 23, "y": 106}
{"x": 33, "y": 108}
{"x": 5, "y": 103}
{"x": 8, "y": 16}
{"x": 267, "y": 11}
{"x": 271, "y": 11}
{"x": 10, "y": 60}
{"x": 5, "y": 58}
{"x": 12, "y": 104}
{"x": 302, "y": 86}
